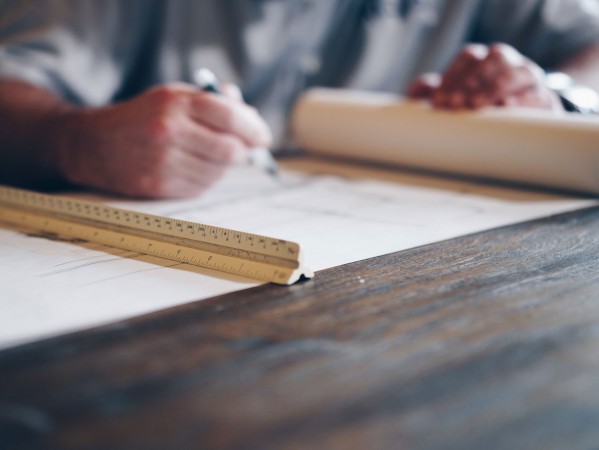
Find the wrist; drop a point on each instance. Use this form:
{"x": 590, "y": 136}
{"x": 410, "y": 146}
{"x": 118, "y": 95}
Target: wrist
{"x": 30, "y": 136}
{"x": 58, "y": 130}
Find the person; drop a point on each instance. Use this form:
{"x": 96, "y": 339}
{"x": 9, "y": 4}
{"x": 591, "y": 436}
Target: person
{"x": 98, "y": 93}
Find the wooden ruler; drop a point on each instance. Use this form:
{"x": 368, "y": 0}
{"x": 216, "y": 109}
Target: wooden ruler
{"x": 249, "y": 255}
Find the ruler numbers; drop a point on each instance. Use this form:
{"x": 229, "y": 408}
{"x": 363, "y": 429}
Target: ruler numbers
{"x": 260, "y": 257}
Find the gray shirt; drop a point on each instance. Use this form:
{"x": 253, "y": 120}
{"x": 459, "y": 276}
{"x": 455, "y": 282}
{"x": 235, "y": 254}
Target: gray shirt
{"x": 93, "y": 52}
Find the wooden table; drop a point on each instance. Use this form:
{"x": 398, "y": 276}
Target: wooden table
{"x": 485, "y": 341}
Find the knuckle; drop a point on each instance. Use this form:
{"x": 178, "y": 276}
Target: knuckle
{"x": 508, "y": 55}
{"x": 465, "y": 52}
{"x": 165, "y": 98}
{"x": 226, "y": 148}
{"x": 162, "y": 129}
{"x": 164, "y": 93}
{"x": 474, "y": 52}
{"x": 500, "y": 47}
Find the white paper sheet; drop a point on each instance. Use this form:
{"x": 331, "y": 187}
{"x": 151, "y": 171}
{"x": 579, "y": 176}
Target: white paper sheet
{"x": 338, "y": 214}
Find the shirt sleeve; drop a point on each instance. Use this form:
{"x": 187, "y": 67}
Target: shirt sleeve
{"x": 547, "y": 31}
{"x": 58, "y": 45}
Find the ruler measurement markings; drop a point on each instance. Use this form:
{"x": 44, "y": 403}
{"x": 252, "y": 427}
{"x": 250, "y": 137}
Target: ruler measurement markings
{"x": 147, "y": 218}
{"x": 269, "y": 258}
{"x": 215, "y": 262}
{"x": 203, "y": 245}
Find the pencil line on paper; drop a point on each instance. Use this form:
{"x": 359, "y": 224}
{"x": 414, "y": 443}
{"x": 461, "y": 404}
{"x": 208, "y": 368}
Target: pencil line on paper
{"x": 80, "y": 266}
{"x": 104, "y": 280}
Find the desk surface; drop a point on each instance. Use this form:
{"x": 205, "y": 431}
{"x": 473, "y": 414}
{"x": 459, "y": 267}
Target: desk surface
{"x": 485, "y": 341}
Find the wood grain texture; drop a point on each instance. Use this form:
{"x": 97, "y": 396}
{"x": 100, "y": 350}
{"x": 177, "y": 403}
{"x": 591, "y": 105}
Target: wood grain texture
{"x": 485, "y": 341}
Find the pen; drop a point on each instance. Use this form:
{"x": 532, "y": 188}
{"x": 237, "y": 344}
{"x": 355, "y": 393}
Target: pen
{"x": 259, "y": 156}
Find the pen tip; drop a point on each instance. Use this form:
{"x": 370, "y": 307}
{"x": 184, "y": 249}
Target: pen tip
{"x": 261, "y": 157}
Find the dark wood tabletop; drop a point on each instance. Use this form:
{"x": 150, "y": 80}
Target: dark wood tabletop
{"x": 485, "y": 341}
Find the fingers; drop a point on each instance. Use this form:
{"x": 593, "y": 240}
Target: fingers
{"x": 461, "y": 81}
{"x": 424, "y": 86}
{"x": 211, "y": 130}
{"x": 464, "y": 65}
{"x": 197, "y": 140}
{"x": 509, "y": 71}
{"x": 182, "y": 175}
{"x": 497, "y": 75}
{"x": 223, "y": 113}
{"x": 179, "y": 175}
{"x": 230, "y": 116}
{"x": 215, "y": 146}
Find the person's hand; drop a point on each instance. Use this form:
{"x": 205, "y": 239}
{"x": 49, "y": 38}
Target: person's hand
{"x": 480, "y": 76}
{"x": 171, "y": 141}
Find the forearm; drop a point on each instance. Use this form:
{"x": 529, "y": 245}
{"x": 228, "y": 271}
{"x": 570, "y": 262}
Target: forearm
{"x": 584, "y": 67}
{"x": 31, "y": 131}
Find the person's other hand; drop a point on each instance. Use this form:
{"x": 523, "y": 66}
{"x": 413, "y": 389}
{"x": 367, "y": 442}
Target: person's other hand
{"x": 171, "y": 141}
{"x": 480, "y": 76}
